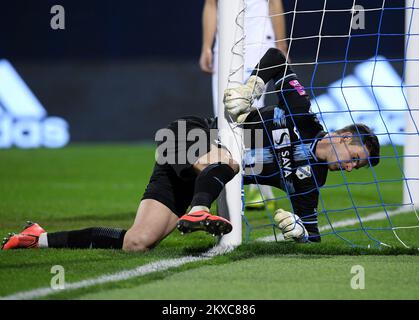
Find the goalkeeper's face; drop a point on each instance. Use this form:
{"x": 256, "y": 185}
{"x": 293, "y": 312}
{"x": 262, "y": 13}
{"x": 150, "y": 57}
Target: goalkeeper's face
{"x": 346, "y": 156}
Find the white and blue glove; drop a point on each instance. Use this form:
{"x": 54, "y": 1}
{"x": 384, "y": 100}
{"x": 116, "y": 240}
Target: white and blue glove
{"x": 291, "y": 226}
{"x": 238, "y": 101}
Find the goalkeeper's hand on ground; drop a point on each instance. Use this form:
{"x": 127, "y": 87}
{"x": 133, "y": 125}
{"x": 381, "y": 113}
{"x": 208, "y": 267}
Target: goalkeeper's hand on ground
{"x": 291, "y": 226}
{"x": 238, "y": 101}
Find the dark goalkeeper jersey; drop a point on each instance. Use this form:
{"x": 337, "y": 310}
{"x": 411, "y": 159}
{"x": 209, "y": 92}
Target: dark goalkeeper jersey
{"x": 287, "y": 158}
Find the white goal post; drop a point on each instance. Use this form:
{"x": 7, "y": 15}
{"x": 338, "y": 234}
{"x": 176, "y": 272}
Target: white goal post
{"x": 230, "y": 73}
{"x": 411, "y": 149}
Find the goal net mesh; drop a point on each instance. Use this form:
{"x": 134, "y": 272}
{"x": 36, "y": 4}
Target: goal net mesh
{"x": 351, "y": 58}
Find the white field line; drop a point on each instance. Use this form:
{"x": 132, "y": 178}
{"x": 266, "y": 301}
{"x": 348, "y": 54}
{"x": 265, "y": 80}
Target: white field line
{"x": 350, "y": 222}
{"x": 168, "y": 263}
{"x": 120, "y": 276}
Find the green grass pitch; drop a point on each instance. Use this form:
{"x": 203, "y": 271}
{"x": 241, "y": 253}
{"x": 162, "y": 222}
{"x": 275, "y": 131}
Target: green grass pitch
{"x": 100, "y": 185}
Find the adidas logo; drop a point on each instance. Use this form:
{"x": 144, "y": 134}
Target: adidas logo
{"x": 373, "y": 94}
{"x": 23, "y": 120}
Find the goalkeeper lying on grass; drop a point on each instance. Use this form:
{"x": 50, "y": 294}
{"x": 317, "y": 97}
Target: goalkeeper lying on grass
{"x": 295, "y": 157}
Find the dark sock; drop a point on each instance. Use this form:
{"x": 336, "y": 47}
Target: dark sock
{"x": 210, "y": 182}
{"x": 98, "y": 237}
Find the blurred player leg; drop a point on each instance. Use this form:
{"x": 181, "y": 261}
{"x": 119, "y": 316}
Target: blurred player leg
{"x": 260, "y": 195}
{"x": 214, "y": 80}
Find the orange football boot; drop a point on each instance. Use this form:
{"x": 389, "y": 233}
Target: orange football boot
{"x": 203, "y": 220}
{"x": 27, "y": 239}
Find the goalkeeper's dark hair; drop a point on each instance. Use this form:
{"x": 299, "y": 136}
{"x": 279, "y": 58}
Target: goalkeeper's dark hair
{"x": 364, "y": 136}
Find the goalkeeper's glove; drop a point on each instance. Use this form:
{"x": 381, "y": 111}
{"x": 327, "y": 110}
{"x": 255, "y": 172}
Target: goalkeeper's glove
{"x": 291, "y": 226}
{"x": 238, "y": 101}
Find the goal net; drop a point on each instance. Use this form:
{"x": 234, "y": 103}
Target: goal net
{"x": 359, "y": 62}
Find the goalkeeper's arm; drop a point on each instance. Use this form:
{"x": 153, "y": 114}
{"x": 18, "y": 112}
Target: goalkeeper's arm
{"x": 238, "y": 101}
{"x": 305, "y": 206}
{"x": 272, "y": 66}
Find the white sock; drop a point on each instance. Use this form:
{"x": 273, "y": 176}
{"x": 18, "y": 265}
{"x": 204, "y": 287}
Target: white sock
{"x": 199, "y": 208}
{"x": 266, "y": 192}
{"x": 43, "y": 240}
{"x": 253, "y": 187}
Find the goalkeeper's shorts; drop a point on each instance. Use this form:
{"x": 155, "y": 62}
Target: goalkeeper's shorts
{"x": 172, "y": 184}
